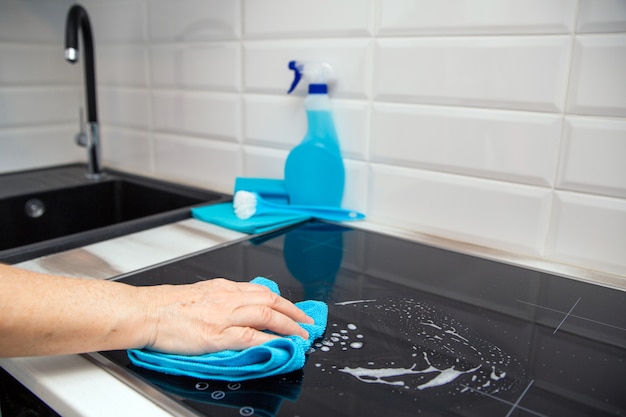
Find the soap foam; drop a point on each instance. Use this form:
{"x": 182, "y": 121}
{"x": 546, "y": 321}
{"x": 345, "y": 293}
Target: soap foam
{"x": 448, "y": 350}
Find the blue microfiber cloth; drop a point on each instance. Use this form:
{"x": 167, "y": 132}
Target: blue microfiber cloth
{"x": 223, "y": 215}
{"x": 278, "y": 356}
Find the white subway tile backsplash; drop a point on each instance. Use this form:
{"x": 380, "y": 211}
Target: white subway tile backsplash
{"x": 215, "y": 66}
{"x": 35, "y": 65}
{"x": 589, "y": 230}
{"x": 33, "y": 21}
{"x": 281, "y": 122}
{"x": 122, "y": 65}
{"x": 259, "y": 161}
{"x": 500, "y": 123}
{"x": 492, "y": 213}
{"x": 124, "y": 107}
{"x": 34, "y": 147}
{"x": 266, "y": 65}
{"x": 592, "y": 159}
{"x": 597, "y": 83}
{"x": 205, "y": 163}
{"x": 355, "y": 193}
{"x": 523, "y": 73}
{"x": 472, "y": 17}
{"x": 504, "y": 145}
{"x": 273, "y": 120}
{"x": 120, "y": 22}
{"x": 596, "y": 16}
{"x": 287, "y": 18}
{"x": 36, "y": 106}
{"x": 353, "y": 130}
{"x": 128, "y": 150}
{"x": 216, "y": 115}
{"x": 193, "y": 20}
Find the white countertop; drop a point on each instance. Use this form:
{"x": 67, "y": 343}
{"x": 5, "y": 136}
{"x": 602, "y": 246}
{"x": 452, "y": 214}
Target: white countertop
{"x": 74, "y": 386}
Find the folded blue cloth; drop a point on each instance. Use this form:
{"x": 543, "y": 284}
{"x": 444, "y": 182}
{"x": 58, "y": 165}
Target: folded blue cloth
{"x": 278, "y": 356}
{"x": 223, "y": 215}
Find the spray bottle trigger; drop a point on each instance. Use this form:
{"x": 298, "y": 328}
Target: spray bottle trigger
{"x": 293, "y": 65}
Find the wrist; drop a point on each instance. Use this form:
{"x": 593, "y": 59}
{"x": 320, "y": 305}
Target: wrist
{"x": 148, "y": 302}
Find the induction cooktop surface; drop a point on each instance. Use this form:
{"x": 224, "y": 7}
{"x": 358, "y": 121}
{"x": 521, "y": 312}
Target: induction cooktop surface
{"x": 412, "y": 330}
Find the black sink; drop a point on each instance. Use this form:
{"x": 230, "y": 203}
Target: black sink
{"x": 49, "y": 210}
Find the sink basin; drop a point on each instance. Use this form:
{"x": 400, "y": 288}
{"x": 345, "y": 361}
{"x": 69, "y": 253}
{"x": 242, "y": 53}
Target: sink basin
{"x": 76, "y": 212}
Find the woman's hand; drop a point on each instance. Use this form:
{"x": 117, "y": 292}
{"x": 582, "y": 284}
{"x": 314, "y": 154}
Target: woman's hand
{"x": 218, "y": 314}
{"x": 42, "y": 314}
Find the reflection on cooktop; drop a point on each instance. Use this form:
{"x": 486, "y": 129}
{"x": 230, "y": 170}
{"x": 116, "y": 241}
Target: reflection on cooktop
{"x": 413, "y": 330}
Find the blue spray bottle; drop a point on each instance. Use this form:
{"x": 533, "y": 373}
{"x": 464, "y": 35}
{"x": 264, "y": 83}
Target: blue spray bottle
{"x": 314, "y": 170}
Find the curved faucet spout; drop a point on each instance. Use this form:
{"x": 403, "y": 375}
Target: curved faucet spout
{"x": 77, "y": 17}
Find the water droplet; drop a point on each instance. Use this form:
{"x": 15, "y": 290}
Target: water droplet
{"x": 356, "y": 345}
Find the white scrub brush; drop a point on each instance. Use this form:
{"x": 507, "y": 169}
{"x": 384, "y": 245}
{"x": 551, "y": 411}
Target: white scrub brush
{"x": 248, "y": 204}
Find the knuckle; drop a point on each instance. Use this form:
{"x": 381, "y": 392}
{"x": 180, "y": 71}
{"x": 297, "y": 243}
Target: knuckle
{"x": 221, "y": 285}
{"x": 219, "y": 281}
{"x": 265, "y": 315}
{"x": 248, "y": 336}
{"x": 271, "y": 297}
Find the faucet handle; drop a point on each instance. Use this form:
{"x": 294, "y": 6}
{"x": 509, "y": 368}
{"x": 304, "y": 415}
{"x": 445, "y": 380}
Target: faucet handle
{"x": 81, "y": 137}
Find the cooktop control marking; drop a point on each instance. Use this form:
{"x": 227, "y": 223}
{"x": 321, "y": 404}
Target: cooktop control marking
{"x": 568, "y": 314}
{"x": 514, "y": 406}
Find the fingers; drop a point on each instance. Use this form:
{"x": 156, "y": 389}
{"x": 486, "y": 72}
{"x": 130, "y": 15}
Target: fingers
{"x": 261, "y": 309}
{"x": 256, "y": 294}
{"x": 239, "y": 338}
{"x": 262, "y": 296}
{"x": 265, "y": 318}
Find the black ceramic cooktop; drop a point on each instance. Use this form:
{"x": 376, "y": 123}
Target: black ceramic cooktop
{"x": 414, "y": 331}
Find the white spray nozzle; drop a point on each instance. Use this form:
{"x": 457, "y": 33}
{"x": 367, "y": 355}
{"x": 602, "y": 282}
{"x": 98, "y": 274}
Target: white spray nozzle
{"x": 317, "y": 73}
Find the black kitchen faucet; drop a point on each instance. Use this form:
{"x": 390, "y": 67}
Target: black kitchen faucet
{"x": 90, "y": 137}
